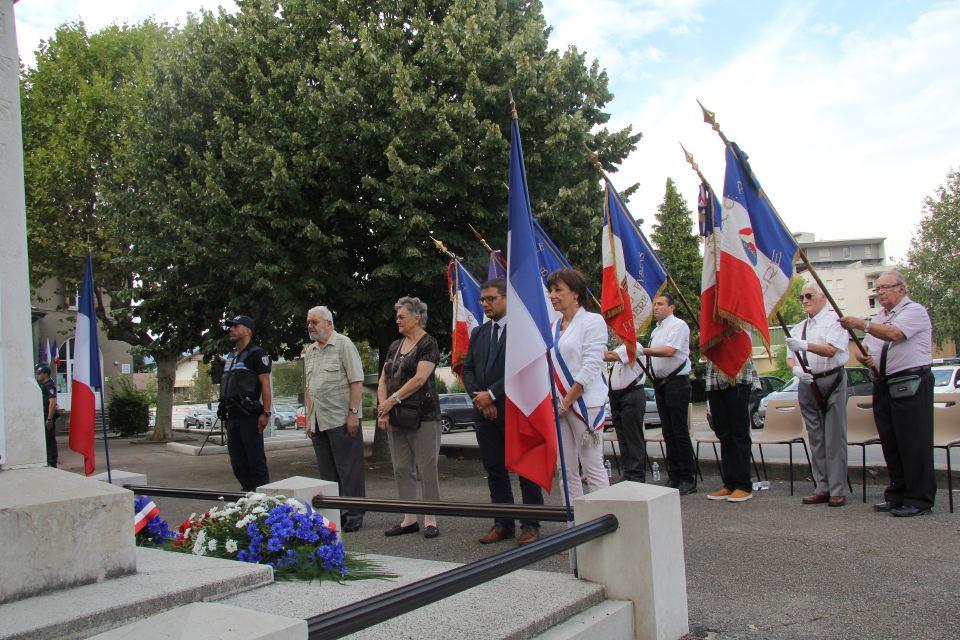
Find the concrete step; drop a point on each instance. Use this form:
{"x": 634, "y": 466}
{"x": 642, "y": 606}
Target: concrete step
{"x": 164, "y": 580}
{"x": 517, "y": 606}
{"x": 609, "y": 620}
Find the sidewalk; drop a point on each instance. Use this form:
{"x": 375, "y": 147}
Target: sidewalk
{"x": 767, "y": 568}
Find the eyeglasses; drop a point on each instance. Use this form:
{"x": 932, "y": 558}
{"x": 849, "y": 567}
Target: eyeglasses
{"x": 805, "y": 296}
{"x": 488, "y": 299}
{"x": 880, "y": 288}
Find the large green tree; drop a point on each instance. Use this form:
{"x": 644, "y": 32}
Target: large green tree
{"x": 78, "y": 102}
{"x": 679, "y": 247}
{"x": 932, "y": 266}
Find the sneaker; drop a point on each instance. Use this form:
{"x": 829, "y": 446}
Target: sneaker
{"x": 719, "y": 494}
{"x": 739, "y": 496}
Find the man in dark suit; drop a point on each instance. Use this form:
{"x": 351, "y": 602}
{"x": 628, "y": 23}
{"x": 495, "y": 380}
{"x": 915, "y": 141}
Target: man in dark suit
{"x": 482, "y": 374}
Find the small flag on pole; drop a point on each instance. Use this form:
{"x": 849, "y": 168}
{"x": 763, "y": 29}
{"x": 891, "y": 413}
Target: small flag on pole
{"x": 467, "y": 311}
{"x": 86, "y": 375}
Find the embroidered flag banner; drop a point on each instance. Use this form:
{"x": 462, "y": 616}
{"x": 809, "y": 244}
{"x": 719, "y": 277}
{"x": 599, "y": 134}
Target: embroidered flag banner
{"x": 531, "y": 439}
{"x": 86, "y": 375}
{"x": 464, "y": 292}
{"x": 497, "y": 269}
{"x": 633, "y": 274}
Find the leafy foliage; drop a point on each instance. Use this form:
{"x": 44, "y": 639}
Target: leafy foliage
{"x": 679, "y": 247}
{"x": 202, "y": 389}
{"x": 932, "y": 267}
{"x": 129, "y": 410}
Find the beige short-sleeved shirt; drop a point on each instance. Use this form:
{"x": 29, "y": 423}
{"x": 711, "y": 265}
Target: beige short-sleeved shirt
{"x": 329, "y": 370}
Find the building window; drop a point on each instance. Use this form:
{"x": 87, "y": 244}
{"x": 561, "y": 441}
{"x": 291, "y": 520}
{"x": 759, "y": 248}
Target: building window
{"x": 846, "y": 252}
{"x": 824, "y": 253}
{"x": 868, "y": 252}
{"x": 869, "y": 284}
{"x": 873, "y": 302}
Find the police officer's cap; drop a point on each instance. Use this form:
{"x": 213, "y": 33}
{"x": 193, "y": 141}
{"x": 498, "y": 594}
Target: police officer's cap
{"x": 246, "y": 321}
{"x": 43, "y": 368}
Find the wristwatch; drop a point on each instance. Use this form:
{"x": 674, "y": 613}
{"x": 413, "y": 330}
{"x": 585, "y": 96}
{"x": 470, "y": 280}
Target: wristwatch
{"x": 267, "y": 413}
{"x": 355, "y": 410}
{"x": 866, "y": 325}
{"x": 396, "y": 397}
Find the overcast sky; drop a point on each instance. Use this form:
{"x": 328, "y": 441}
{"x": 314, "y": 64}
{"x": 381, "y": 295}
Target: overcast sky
{"x": 848, "y": 110}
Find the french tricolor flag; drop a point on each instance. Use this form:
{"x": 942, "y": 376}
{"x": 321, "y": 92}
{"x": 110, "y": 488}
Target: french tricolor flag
{"x": 86, "y": 375}
{"x": 531, "y": 438}
{"x": 467, "y": 311}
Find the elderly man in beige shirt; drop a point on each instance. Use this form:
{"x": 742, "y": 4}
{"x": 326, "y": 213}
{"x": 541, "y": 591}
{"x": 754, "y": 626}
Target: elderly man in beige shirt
{"x": 334, "y": 382}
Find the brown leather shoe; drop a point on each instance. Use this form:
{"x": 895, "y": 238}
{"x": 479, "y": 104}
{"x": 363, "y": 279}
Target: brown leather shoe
{"x": 837, "y": 501}
{"x": 497, "y": 533}
{"x": 528, "y": 535}
{"x": 817, "y": 498}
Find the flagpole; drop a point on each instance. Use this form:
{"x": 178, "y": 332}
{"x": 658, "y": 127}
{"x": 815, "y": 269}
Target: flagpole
{"x": 816, "y": 390}
{"x": 103, "y": 422}
{"x": 596, "y": 163}
{"x": 553, "y": 392}
{"x": 710, "y": 118}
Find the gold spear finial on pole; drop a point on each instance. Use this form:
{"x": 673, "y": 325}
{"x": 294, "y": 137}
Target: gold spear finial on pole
{"x": 480, "y": 238}
{"x": 693, "y": 163}
{"x": 711, "y": 119}
{"x": 443, "y": 249}
{"x": 513, "y": 106}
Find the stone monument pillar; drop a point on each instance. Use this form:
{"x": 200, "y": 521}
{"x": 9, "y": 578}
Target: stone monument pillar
{"x": 58, "y": 529}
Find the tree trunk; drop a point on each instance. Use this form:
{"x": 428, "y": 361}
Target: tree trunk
{"x": 381, "y": 445}
{"x": 166, "y": 372}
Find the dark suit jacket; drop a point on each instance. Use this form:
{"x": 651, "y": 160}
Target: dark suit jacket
{"x": 477, "y": 376}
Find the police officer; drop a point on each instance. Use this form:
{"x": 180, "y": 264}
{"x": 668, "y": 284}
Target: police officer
{"x": 245, "y": 404}
{"x": 49, "y": 390}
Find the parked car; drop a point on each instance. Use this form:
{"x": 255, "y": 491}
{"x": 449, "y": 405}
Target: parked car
{"x": 946, "y": 379}
{"x": 859, "y": 383}
{"x": 768, "y": 384}
{"x": 199, "y": 419}
{"x": 651, "y": 417}
{"x": 284, "y": 417}
{"x": 456, "y": 411}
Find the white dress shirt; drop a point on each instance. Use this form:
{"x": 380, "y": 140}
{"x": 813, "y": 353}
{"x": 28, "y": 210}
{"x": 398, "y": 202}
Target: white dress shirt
{"x": 502, "y": 324}
{"x": 823, "y": 328}
{"x": 623, "y": 374}
{"x": 671, "y": 332}
{"x": 582, "y": 345}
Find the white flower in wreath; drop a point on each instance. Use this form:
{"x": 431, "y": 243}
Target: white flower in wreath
{"x": 186, "y": 533}
{"x": 296, "y": 504}
{"x": 258, "y": 510}
{"x": 212, "y": 545}
{"x": 231, "y": 546}
{"x": 199, "y": 546}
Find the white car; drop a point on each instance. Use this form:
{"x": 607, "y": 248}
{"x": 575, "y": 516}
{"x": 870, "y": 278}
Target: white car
{"x": 946, "y": 379}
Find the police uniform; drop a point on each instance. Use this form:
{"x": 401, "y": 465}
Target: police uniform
{"x": 48, "y": 388}
{"x": 240, "y": 408}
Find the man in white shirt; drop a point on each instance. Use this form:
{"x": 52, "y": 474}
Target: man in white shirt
{"x": 668, "y": 358}
{"x": 820, "y": 342}
{"x": 628, "y": 403}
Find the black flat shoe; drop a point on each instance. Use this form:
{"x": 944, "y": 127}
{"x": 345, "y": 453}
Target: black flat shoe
{"x": 350, "y": 527}
{"x": 887, "y": 506}
{"x": 908, "y": 511}
{"x": 397, "y": 530}
{"x": 686, "y": 488}
{"x": 430, "y": 531}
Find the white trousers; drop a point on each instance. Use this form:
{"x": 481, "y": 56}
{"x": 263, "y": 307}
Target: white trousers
{"x": 578, "y": 447}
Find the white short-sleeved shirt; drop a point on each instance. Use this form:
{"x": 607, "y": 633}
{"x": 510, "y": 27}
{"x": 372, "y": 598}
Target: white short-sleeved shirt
{"x": 823, "y": 328}
{"x": 916, "y": 350}
{"x": 623, "y": 374}
{"x": 671, "y": 332}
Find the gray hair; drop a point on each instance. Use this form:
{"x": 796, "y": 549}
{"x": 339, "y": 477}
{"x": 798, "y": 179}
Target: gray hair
{"x": 415, "y": 306}
{"x": 321, "y": 311}
{"x": 896, "y": 276}
{"x": 813, "y": 287}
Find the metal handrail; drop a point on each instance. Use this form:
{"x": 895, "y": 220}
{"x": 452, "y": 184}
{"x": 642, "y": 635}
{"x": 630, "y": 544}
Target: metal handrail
{"x": 366, "y": 613}
{"x": 462, "y": 509}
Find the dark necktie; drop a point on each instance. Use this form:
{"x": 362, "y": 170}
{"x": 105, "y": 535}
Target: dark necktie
{"x": 494, "y": 339}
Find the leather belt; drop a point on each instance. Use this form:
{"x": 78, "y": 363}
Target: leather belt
{"x": 824, "y": 374}
{"x": 635, "y": 385}
{"x": 910, "y": 371}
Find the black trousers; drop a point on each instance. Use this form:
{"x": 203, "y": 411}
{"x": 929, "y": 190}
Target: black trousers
{"x": 247, "y": 457}
{"x": 905, "y": 426}
{"x": 731, "y": 422}
{"x": 627, "y": 408}
{"x": 52, "y": 453}
{"x": 490, "y": 438}
{"x": 673, "y": 400}
{"x": 340, "y": 460}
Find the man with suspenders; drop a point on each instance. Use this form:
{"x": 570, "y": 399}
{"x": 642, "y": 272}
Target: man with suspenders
{"x": 668, "y": 358}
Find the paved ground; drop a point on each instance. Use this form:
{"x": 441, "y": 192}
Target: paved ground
{"x": 769, "y": 568}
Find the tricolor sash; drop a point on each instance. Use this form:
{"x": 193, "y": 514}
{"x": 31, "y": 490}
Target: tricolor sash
{"x": 563, "y": 380}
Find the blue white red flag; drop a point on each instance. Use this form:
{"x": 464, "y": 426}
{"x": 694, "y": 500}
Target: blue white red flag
{"x": 531, "y": 438}
{"x": 86, "y": 375}
{"x": 722, "y": 342}
{"x": 146, "y": 510}
{"x": 55, "y": 362}
{"x": 467, "y": 311}
{"x": 497, "y": 269}
{"x": 633, "y": 274}
{"x": 749, "y": 277}
{"x": 47, "y": 354}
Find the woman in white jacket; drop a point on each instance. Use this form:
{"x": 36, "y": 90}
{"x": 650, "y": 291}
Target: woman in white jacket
{"x": 580, "y": 338}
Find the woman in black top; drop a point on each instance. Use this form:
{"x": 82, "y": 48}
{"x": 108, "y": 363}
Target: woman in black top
{"x": 407, "y": 384}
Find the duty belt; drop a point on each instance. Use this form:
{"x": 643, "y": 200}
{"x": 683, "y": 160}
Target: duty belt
{"x": 824, "y": 374}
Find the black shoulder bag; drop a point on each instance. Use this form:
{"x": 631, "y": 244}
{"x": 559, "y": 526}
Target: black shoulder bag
{"x": 406, "y": 415}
